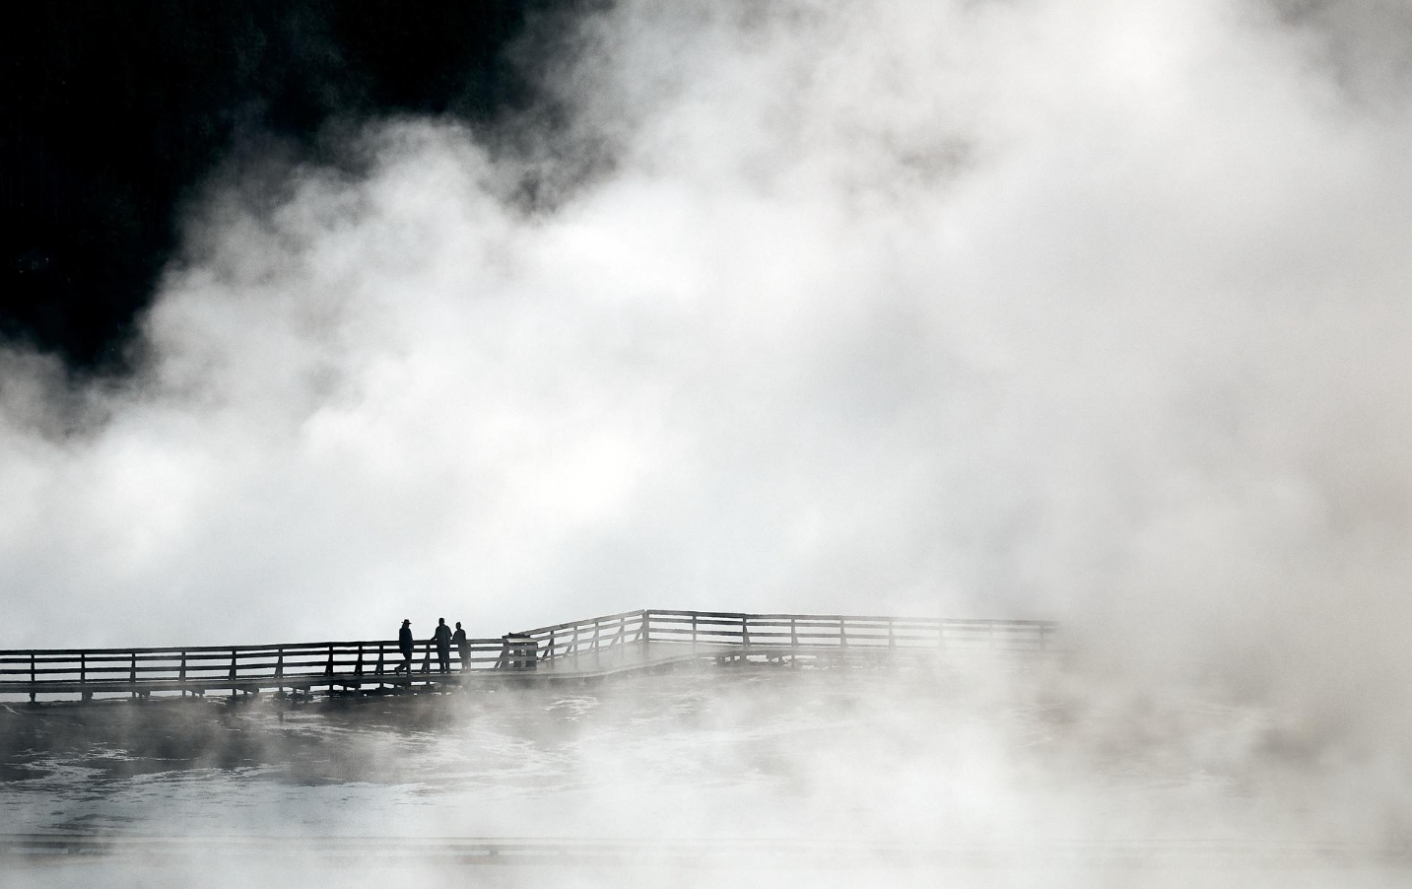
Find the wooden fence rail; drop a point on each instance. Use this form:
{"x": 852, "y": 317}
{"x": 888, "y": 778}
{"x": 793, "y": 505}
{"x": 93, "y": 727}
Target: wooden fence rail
{"x": 238, "y": 668}
{"x": 379, "y": 663}
{"x": 587, "y": 635}
{"x": 768, "y": 632}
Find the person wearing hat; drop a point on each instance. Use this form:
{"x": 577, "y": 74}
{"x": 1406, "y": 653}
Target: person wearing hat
{"x": 404, "y": 642}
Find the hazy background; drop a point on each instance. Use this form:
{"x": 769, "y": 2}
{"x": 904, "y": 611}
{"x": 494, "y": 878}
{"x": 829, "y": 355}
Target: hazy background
{"x": 970, "y": 775}
{"x": 1090, "y": 311}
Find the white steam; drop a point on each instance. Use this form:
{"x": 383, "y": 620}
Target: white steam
{"x": 1094, "y": 311}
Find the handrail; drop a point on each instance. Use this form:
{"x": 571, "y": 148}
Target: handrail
{"x": 736, "y": 615}
{"x": 305, "y": 665}
{"x": 753, "y": 631}
{"x": 766, "y": 631}
{"x": 574, "y": 623}
{"x": 239, "y": 668}
{"x": 213, "y": 652}
{"x": 274, "y": 646}
{"x": 594, "y": 632}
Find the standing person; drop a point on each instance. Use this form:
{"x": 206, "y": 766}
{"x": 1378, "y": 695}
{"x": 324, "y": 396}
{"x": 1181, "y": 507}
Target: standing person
{"x": 442, "y": 638}
{"x": 463, "y": 645}
{"x": 404, "y": 642}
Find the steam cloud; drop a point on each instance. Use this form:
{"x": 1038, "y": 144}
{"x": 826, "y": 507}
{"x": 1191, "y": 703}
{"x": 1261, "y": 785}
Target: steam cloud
{"x": 1090, "y": 311}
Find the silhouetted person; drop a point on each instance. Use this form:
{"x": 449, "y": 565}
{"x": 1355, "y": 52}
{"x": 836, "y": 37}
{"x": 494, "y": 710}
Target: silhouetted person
{"x": 442, "y": 638}
{"x": 463, "y": 646}
{"x": 404, "y": 642}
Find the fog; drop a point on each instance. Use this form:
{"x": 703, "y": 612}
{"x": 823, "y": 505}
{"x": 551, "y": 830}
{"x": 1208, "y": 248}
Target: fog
{"x": 974, "y": 774}
{"x": 1091, "y": 311}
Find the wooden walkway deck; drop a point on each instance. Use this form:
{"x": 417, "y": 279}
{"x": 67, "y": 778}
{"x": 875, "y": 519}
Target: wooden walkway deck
{"x": 598, "y": 647}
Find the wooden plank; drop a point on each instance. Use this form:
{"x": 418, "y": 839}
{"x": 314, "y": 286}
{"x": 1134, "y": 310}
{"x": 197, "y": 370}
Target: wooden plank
{"x": 628, "y": 637}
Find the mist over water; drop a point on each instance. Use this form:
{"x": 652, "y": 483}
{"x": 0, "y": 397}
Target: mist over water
{"x": 986, "y": 761}
{"x": 1089, "y": 311}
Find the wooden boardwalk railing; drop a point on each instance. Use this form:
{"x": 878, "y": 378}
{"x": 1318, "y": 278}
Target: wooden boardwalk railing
{"x": 593, "y": 634}
{"x": 378, "y": 664}
{"x": 237, "y": 668}
{"x": 780, "y": 633}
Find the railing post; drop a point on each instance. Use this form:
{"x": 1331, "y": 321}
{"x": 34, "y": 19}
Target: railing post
{"x": 1001, "y": 636}
{"x": 518, "y": 652}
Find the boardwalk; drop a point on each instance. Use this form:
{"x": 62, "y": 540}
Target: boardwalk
{"x": 597, "y": 647}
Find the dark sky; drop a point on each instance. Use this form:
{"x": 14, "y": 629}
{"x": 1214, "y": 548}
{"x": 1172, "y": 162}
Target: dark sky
{"x": 112, "y": 113}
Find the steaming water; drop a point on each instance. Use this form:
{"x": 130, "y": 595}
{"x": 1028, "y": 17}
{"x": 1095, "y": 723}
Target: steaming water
{"x": 942, "y": 763}
{"x": 1092, "y": 311}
